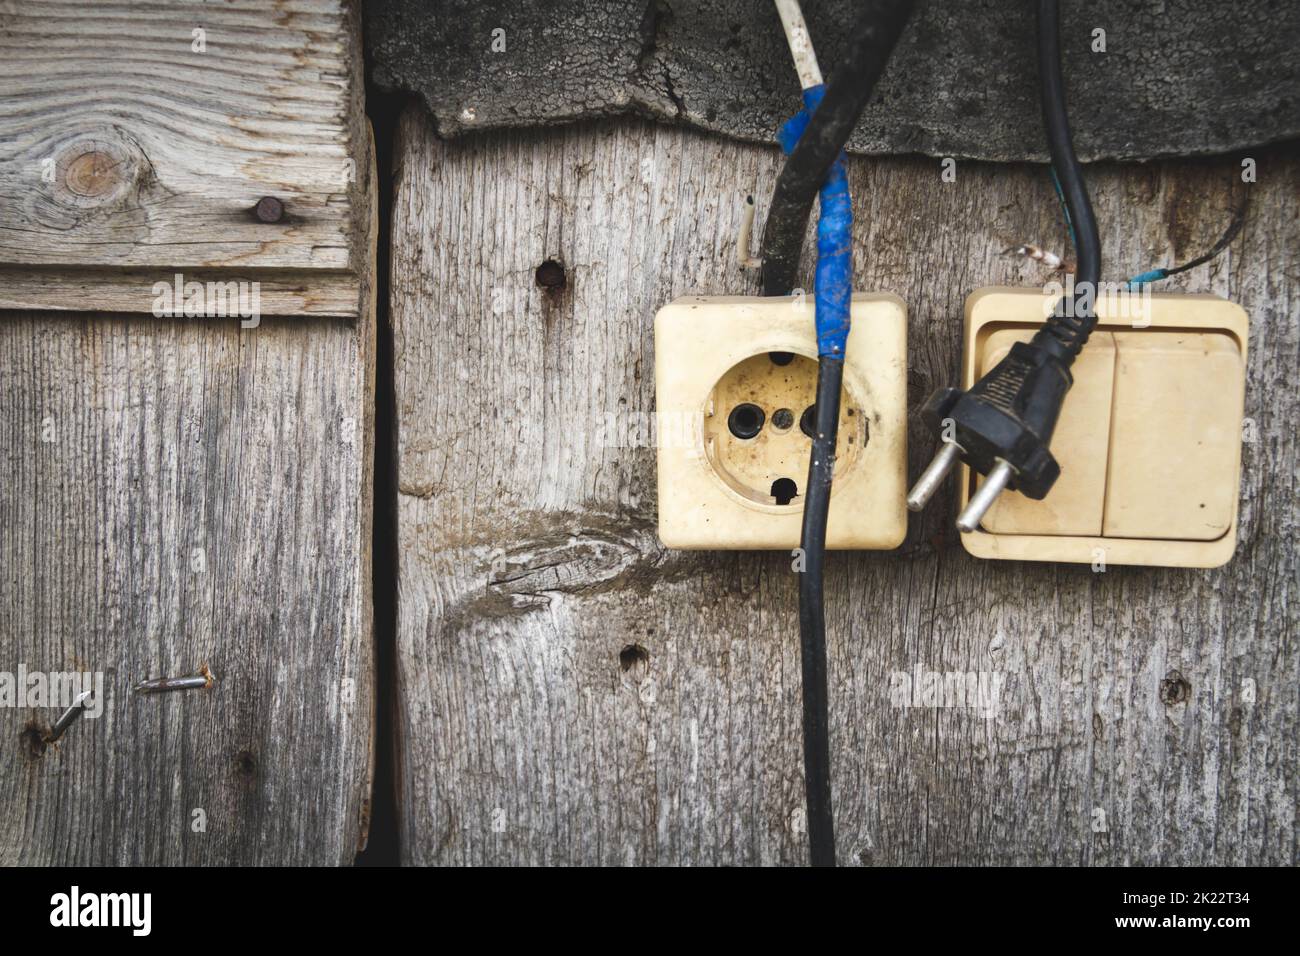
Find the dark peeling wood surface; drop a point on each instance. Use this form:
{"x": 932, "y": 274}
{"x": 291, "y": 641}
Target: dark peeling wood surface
{"x": 531, "y": 733}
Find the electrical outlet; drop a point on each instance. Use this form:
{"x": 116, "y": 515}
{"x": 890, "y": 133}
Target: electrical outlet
{"x": 735, "y": 378}
{"x": 1149, "y": 438}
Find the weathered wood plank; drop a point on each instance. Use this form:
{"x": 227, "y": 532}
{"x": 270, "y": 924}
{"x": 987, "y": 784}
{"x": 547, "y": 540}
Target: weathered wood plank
{"x": 182, "y": 492}
{"x": 533, "y": 731}
{"x": 142, "y": 135}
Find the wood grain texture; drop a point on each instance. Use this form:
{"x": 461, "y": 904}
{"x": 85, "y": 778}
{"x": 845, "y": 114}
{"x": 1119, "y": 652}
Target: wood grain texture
{"x": 174, "y": 447}
{"x": 181, "y": 492}
{"x": 571, "y": 692}
{"x": 123, "y": 144}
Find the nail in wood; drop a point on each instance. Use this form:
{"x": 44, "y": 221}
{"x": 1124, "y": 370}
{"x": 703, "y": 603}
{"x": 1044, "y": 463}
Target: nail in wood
{"x": 70, "y": 717}
{"x": 203, "y": 679}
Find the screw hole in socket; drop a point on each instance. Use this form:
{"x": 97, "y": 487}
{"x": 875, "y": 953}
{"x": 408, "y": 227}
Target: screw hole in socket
{"x": 746, "y": 420}
{"x": 784, "y": 490}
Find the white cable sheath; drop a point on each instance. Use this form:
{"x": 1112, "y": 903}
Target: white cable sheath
{"x": 801, "y": 47}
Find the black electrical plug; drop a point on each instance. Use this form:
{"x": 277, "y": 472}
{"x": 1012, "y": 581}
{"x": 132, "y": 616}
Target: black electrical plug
{"x": 1003, "y": 426}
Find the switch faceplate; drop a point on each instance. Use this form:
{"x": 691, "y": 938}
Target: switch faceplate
{"x": 1149, "y": 438}
{"x": 734, "y": 378}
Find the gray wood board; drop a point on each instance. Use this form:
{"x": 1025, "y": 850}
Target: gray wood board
{"x": 142, "y": 136}
{"x": 532, "y": 731}
{"x": 177, "y": 493}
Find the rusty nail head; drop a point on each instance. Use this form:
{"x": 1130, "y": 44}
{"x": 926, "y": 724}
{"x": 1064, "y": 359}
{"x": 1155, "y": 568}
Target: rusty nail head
{"x": 269, "y": 209}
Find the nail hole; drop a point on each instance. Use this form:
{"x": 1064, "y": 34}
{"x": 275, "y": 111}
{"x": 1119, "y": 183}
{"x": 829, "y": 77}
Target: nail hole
{"x": 782, "y": 419}
{"x": 746, "y": 420}
{"x": 808, "y": 421}
{"x": 781, "y": 358}
{"x": 631, "y": 655}
{"x": 33, "y": 742}
{"x": 784, "y": 490}
{"x": 1174, "y": 689}
{"x": 550, "y": 275}
{"x": 245, "y": 763}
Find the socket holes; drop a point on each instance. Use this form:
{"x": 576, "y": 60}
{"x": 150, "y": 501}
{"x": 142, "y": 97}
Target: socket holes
{"x": 808, "y": 421}
{"x": 746, "y": 420}
{"x": 784, "y": 490}
{"x": 749, "y": 466}
{"x": 781, "y": 358}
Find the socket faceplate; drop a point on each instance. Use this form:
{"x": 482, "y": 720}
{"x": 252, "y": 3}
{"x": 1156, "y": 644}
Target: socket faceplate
{"x": 721, "y": 486}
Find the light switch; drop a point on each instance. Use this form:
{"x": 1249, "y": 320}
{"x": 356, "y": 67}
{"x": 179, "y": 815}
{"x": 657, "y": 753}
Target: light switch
{"x": 1175, "y": 436}
{"x": 1149, "y": 439}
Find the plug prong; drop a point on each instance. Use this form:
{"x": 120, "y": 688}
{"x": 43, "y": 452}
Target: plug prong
{"x": 933, "y": 476}
{"x": 984, "y": 496}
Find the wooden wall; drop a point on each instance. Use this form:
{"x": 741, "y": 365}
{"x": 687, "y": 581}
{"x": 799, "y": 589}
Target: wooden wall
{"x": 571, "y": 692}
{"x": 185, "y": 491}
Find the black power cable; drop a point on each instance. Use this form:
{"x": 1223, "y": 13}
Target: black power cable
{"x": 812, "y": 621}
{"x": 1068, "y": 329}
{"x": 876, "y": 31}
{"x": 1002, "y": 426}
{"x": 805, "y": 172}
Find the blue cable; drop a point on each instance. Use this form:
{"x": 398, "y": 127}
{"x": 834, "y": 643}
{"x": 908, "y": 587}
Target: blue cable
{"x": 833, "y": 289}
{"x": 1153, "y": 275}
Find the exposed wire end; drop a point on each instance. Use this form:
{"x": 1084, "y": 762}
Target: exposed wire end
{"x": 1234, "y": 229}
{"x": 1145, "y": 278}
{"x": 1037, "y": 253}
{"x": 800, "y": 42}
{"x": 743, "y": 254}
